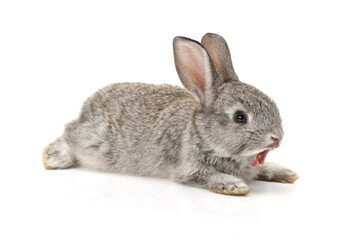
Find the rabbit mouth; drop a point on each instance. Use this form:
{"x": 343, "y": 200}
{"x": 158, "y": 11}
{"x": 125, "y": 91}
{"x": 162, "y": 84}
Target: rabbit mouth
{"x": 259, "y": 158}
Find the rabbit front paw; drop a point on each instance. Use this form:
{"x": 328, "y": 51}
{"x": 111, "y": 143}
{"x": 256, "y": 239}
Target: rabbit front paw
{"x": 276, "y": 173}
{"x": 288, "y": 178}
{"x": 226, "y": 184}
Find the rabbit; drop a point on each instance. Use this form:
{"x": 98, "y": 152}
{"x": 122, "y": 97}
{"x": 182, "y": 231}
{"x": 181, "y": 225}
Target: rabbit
{"x": 214, "y": 134}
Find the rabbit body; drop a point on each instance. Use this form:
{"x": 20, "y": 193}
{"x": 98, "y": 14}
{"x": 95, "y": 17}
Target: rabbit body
{"x": 190, "y": 136}
{"x": 132, "y": 128}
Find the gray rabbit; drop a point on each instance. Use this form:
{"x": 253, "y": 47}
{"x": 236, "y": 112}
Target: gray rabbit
{"x": 214, "y": 134}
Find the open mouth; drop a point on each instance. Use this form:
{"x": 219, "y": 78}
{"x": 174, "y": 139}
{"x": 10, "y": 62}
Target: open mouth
{"x": 259, "y": 158}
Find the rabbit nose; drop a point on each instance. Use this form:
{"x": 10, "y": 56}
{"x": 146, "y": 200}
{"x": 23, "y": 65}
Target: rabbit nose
{"x": 276, "y": 142}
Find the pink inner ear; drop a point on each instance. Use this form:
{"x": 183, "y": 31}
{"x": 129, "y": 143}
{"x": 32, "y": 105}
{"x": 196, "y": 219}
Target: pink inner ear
{"x": 217, "y": 62}
{"x": 197, "y": 69}
{"x": 192, "y": 64}
{"x": 206, "y": 41}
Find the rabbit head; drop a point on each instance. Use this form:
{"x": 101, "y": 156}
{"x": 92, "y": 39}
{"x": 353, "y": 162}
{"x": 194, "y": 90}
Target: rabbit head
{"x": 236, "y": 120}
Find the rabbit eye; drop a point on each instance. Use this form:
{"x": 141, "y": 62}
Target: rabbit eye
{"x": 240, "y": 117}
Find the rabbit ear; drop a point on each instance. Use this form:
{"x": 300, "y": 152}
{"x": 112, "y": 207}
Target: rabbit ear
{"x": 220, "y": 53}
{"x": 196, "y": 70}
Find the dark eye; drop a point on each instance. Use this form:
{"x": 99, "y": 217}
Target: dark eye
{"x": 240, "y": 117}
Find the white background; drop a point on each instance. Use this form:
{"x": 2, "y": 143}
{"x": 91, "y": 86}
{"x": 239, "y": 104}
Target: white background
{"x": 304, "y": 54}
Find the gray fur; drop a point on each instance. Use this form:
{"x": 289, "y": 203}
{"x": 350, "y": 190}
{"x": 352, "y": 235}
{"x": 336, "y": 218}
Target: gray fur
{"x": 185, "y": 135}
